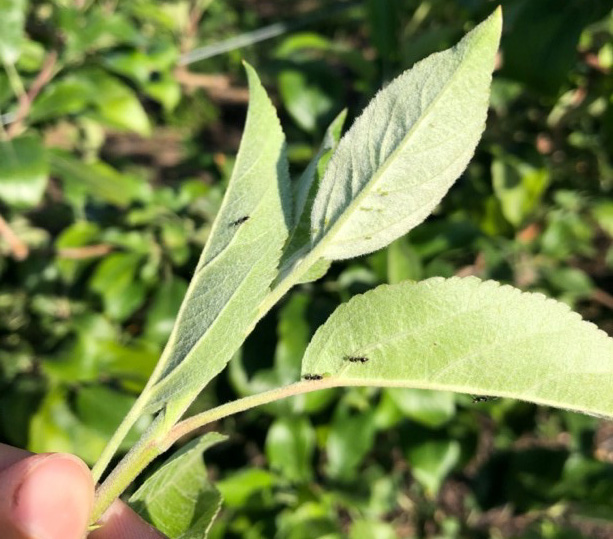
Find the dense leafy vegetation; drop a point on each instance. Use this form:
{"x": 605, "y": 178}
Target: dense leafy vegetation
{"x": 114, "y": 158}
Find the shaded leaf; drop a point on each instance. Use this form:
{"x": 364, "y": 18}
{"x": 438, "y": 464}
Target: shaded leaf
{"x": 178, "y": 498}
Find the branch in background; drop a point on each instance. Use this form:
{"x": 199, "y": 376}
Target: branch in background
{"x": 602, "y": 297}
{"x": 217, "y": 86}
{"x": 25, "y": 102}
{"x": 90, "y": 251}
{"x": 262, "y": 34}
{"x": 18, "y": 248}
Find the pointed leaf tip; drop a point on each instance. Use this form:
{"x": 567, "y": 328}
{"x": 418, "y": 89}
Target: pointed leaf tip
{"x": 412, "y": 142}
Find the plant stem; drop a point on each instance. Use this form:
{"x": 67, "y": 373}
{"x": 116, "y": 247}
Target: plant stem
{"x": 118, "y": 436}
{"x": 130, "y": 466}
{"x": 246, "y": 403}
{"x": 155, "y": 442}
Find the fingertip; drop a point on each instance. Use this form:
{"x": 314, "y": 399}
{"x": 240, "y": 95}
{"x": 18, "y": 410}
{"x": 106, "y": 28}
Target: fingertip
{"x": 47, "y": 496}
{"x": 120, "y": 522}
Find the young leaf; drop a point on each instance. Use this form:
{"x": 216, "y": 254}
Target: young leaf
{"x": 407, "y": 148}
{"x": 469, "y": 336}
{"x": 305, "y": 190}
{"x": 179, "y": 499}
{"x": 239, "y": 260}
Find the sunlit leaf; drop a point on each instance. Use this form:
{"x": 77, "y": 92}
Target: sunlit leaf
{"x": 468, "y": 336}
{"x": 239, "y": 260}
{"x": 407, "y": 148}
{"x": 23, "y": 171}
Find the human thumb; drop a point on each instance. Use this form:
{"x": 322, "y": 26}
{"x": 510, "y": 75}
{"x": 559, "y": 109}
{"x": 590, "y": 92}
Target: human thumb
{"x": 48, "y": 496}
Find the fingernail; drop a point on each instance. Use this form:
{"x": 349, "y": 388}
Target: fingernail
{"x": 54, "y": 500}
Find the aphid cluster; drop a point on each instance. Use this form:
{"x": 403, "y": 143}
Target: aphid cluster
{"x": 239, "y": 221}
{"x": 356, "y": 359}
{"x": 312, "y": 376}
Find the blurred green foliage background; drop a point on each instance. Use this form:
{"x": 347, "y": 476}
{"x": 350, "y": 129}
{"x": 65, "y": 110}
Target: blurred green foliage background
{"x": 120, "y": 122}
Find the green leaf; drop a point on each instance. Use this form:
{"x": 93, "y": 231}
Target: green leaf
{"x": 290, "y": 444}
{"x": 305, "y": 190}
{"x": 78, "y": 234}
{"x": 407, "y": 148}
{"x": 350, "y": 438}
{"x": 162, "y": 313}
{"x": 430, "y": 408}
{"x": 431, "y": 461}
{"x": 55, "y": 428}
{"x": 603, "y": 213}
{"x": 519, "y": 187}
{"x": 12, "y": 22}
{"x": 309, "y": 91}
{"x": 98, "y": 180}
{"x": 102, "y": 410}
{"x": 117, "y": 104}
{"x": 541, "y": 44}
{"x": 239, "y": 260}
{"x": 115, "y": 280}
{"x": 372, "y": 529}
{"x": 67, "y": 96}
{"x": 469, "y": 336}
{"x": 403, "y": 262}
{"x": 178, "y": 498}
{"x": 23, "y": 171}
{"x": 242, "y": 485}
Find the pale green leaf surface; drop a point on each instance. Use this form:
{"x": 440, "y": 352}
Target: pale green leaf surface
{"x": 407, "y": 148}
{"x": 239, "y": 261}
{"x": 178, "y": 498}
{"x": 469, "y": 336}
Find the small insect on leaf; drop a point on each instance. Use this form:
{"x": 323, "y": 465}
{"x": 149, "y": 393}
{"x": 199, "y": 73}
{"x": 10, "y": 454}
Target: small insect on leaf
{"x": 356, "y": 359}
{"x": 239, "y": 221}
{"x": 483, "y": 398}
{"x": 312, "y": 376}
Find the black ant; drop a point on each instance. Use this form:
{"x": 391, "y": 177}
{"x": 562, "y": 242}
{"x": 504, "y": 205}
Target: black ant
{"x": 239, "y": 221}
{"x": 483, "y": 398}
{"x": 356, "y": 359}
{"x": 312, "y": 376}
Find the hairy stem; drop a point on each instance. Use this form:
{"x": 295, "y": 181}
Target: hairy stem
{"x": 118, "y": 436}
{"x": 137, "y": 459}
{"x": 246, "y": 403}
{"x": 159, "y": 438}
{"x": 164, "y": 431}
